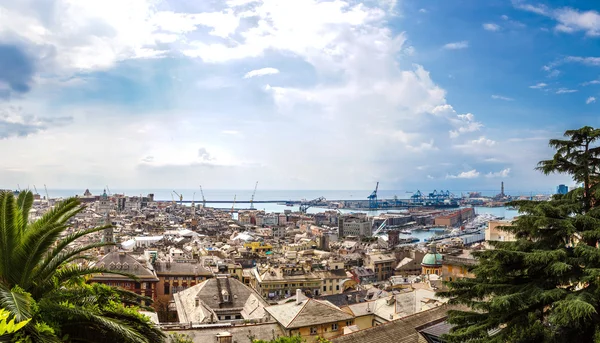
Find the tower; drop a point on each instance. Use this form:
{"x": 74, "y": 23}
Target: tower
{"x": 502, "y": 188}
{"x": 108, "y": 236}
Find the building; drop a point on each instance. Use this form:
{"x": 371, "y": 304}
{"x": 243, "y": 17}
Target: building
{"x": 562, "y": 189}
{"x": 363, "y": 276}
{"x": 104, "y": 205}
{"x": 281, "y": 281}
{"x": 494, "y": 232}
{"x": 146, "y": 282}
{"x": 457, "y": 267}
{"x": 258, "y": 247}
{"x": 351, "y": 225}
{"x": 432, "y": 263}
{"x": 310, "y": 318}
{"x": 175, "y": 277}
{"x": 381, "y": 263}
{"x": 455, "y": 218}
{"x": 414, "y": 328}
{"x": 219, "y": 299}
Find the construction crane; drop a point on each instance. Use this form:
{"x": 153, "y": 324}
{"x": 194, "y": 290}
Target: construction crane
{"x": 35, "y": 189}
{"x": 180, "y": 197}
{"x": 173, "y": 198}
{"x": 193, "y": 206}
{"x": 203, "y": 200}
{"x": 233, "y": 205}
{"x": 253, "y": 194}
{"x": 108, "y": 190}
{"x": 373, "y": 197}
{"x": 47, "y": 196}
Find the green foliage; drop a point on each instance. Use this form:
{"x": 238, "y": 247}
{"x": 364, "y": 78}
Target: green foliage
{"x": 544, "y": 287}
{"x": 42, "y": 287}
{"x": 179, "y": 338}
{"x": 8, "y": 325}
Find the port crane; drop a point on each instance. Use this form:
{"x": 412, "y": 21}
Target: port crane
{"x": 233, "y": 205}
{"x": 35, "y": 189}
{"x": 180, "y": 197}
{"x": 305, "y": 205}
{"x": 108, "y": 190}
{"x": 373, "y": 197}
{"x": 203, "y": 200}
{"x": 47, "y": 196}
{"x": 253, "y": 194}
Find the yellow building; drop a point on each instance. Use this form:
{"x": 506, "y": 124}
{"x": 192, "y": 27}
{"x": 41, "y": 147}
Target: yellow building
{"x": 310, "y": 318}
{"x": 258, "y": 247}
{"x": 494, "y": 233}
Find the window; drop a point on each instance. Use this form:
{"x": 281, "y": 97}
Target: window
{"x": 334, "y": 327}
{"x": 313, "y": 330}
{"x": 324, "y": 288}
{"x": 167, "y": 288}
{"x": 337, "y": 287}
{"x": 349, "y": 322}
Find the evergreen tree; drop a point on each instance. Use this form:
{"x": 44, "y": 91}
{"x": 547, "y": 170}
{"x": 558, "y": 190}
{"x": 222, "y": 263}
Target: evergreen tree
{"x": 545, "y": 286}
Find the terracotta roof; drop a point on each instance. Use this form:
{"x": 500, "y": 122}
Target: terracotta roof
{"x": 403, "y": 330}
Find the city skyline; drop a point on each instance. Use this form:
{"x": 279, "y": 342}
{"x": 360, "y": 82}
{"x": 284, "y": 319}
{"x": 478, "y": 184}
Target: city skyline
{"x": 310, "y": 95}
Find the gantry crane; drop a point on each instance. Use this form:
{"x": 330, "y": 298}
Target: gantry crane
{"x": 253, "y": 194}
{"x": 203, "y": 200}
{"x": 373, "y": 197}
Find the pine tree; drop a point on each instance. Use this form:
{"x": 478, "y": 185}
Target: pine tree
{"x": 545, "y": 286}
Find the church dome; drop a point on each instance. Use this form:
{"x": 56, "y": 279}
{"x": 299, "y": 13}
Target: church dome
{"x": 432, "y": 259}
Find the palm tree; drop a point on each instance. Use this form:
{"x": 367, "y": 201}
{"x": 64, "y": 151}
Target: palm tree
{"x": 39, "y": 279}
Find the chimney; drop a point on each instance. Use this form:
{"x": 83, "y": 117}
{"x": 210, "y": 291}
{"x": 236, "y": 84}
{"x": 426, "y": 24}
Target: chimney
{"x": 298, "y": 295}
{"x": 197, "y": 301}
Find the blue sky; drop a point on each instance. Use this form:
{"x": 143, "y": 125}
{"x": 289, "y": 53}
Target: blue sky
{"x": 303, "y": 94}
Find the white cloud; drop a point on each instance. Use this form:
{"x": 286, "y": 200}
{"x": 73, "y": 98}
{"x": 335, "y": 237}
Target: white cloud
{"x": 500, "y": 97}
{"x": 422, "y": 10}
{"x": 261, "y": 72}
{"x": 568, "y": 20}
{"x": 590, "y": 100}
{"x": 504, "y": 17}
{"x": 593, "y": 82}
{"x": 592, "y": 61}
{"x": 483, "y": 141}
{"x": 471, "y": 174}
{"x": 491, "y": 27}
{"x": 358, "y": 99}
{"x": 456, "y": 45}
{"x": 539, "y": 85}
{"x": 565, "y": 91}
{"x": 502, "y": 173}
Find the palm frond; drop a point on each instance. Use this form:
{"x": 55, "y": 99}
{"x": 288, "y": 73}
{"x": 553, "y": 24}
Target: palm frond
{"x": 18, "y": 303}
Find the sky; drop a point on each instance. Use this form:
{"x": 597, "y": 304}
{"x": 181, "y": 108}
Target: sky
{"x": 302, "y": 94}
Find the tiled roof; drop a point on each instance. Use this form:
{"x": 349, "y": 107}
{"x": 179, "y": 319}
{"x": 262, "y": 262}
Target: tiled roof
{"x": 403, "y": 330}
{"x": 124, "y": 263}
{"x": 308, "y": 312}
